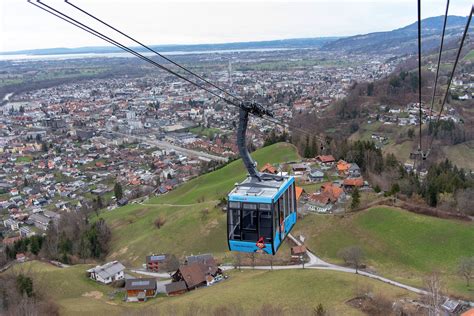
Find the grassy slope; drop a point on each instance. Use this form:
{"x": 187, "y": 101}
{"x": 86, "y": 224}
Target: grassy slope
{"x": 461, "y": 154}
{"x": 397, "y": 244}
{"x": 186, "y": 231}
{"x": 77, "y": 295}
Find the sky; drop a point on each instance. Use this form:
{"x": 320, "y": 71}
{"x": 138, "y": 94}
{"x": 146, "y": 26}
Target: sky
{"x": 23, "y": 26}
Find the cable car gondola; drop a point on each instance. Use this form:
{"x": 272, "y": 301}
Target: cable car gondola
{"x": 261, "y": 210}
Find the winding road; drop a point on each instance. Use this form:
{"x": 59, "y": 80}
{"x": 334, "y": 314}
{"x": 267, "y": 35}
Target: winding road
{"x": 313, "y": 263}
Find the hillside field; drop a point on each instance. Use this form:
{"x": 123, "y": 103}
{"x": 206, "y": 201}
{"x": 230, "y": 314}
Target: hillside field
{"x": 397, "y": 244}
{"x": 188, "y": 229}
{"x": 295, "y": 291}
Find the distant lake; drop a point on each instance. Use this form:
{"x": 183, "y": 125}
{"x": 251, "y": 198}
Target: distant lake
{"x": 123, "y": 54}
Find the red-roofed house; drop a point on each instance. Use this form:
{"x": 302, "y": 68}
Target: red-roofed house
{"x": 343, "y": 167}
{"x": 325, "y": 159}
{"x": 353, "y": 182}
{"x": 268, "y": 168}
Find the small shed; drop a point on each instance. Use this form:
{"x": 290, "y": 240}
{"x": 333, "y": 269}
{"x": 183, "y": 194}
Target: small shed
{"x": 176, "y": 288}
{"x": 139, "y": 290}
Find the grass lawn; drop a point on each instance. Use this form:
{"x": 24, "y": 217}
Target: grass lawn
{"x": 24, "y": 159}
{"x": 401, "y": 151}
{"x": 187, "y": 230}
{"x": 461, "y": 154}
{"x": 397, "y": 244}
{"x": 469, "y": 56}
{"x": 295, "y": 291}
{"x": 203, "y": 131}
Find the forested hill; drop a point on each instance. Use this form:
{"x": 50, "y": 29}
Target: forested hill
{"x": 403, "y": 40}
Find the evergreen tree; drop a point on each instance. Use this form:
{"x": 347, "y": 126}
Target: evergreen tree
{"x": 355, "y": 199}
{"x": 99, "y": 202}
{"x": 118, "y": 191}
{"x": 307, "y": 149}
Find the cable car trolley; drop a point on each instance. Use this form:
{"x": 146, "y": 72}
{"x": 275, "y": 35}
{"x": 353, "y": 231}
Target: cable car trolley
{"x": 261, "y": 210}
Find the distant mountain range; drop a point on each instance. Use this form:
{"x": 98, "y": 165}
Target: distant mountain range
{"x": 403, "y": 40}
{"x": 398, "y": 42}
{"x": 274, "y": 44}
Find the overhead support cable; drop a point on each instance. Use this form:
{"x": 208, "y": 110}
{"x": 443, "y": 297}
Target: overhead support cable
{"x": 420, "y": 112}
{"x": 466, "y": 29}
{"x": 439, "y": 59}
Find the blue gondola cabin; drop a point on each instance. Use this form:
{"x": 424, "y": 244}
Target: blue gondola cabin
{"x": 261, "y": 214}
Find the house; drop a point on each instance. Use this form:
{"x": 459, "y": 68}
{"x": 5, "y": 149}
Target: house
{"x": 155, "y": 262}
{"x": 316, "y": 175}
{"x": 206, "y": 259}
{"x": 343, "y": 167}
{"x": 354, "y": 170}
{"x": 327, "y": 160}
{"x": 350, "y": 183}
{"x": 299, "y": 168}
{"x": 11, "y": 224}
{"x": 197, "y": 274}
{"x": 26, "y": 232}
{"x": 322, "y": 202}
{"x": 20, "y": 257}
{"x": 107, "y": 273}
{"x": 268, "y": 168}
{"x": 40, "y": 221}
{"x": 176, "y": 288}
{"x": 139, "y": 290}
{"x": 298, "y": 192}
{"x": 469, "y": 312}
{"x": 10, "y": 240}
{"x": 298, "y": 251}
{"x": 452, "y": 306}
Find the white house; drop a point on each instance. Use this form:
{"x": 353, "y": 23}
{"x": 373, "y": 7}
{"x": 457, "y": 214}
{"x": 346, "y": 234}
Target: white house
{"x": 107, "y": 273}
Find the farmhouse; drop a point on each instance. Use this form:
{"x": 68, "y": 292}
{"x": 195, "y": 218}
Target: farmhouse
{"x": 107, "y": 273}
{"x": 199, "y": 271}
{"x": 325, "y": 159}
{"x": 155, "y": 262}
{"x": 350, "y": 183}
{"x": 139, "y": 290}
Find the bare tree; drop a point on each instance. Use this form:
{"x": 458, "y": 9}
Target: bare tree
{"x": 433, "y": 285}
{"x": 464, "y": 201}
{"x": 238, "y": 261}
{"x": 466, "y": 269}
{"x": 352, "y": 255}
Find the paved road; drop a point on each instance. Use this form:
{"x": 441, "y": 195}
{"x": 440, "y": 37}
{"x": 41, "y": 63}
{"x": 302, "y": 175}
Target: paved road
{"x": 166, "y": 145}
{"x": 314, "y": 263}
{"x": 319, "y": 264}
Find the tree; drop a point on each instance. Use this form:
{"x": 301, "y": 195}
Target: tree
{"x": 466, "y": 269}
{"x": 411, "y": 133}
{"x": 238, "y": 261}
{"x": 35, "y": 244}
{"x": 433, "y": 285}
{"x": 99, "y": 203}
{"x": 25, "y": 285}
{"x": 352, "y": 255}
{"x": 355, "y": 199}
{"x": 118, "y": 191}
{"x": 370, "y": 89}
